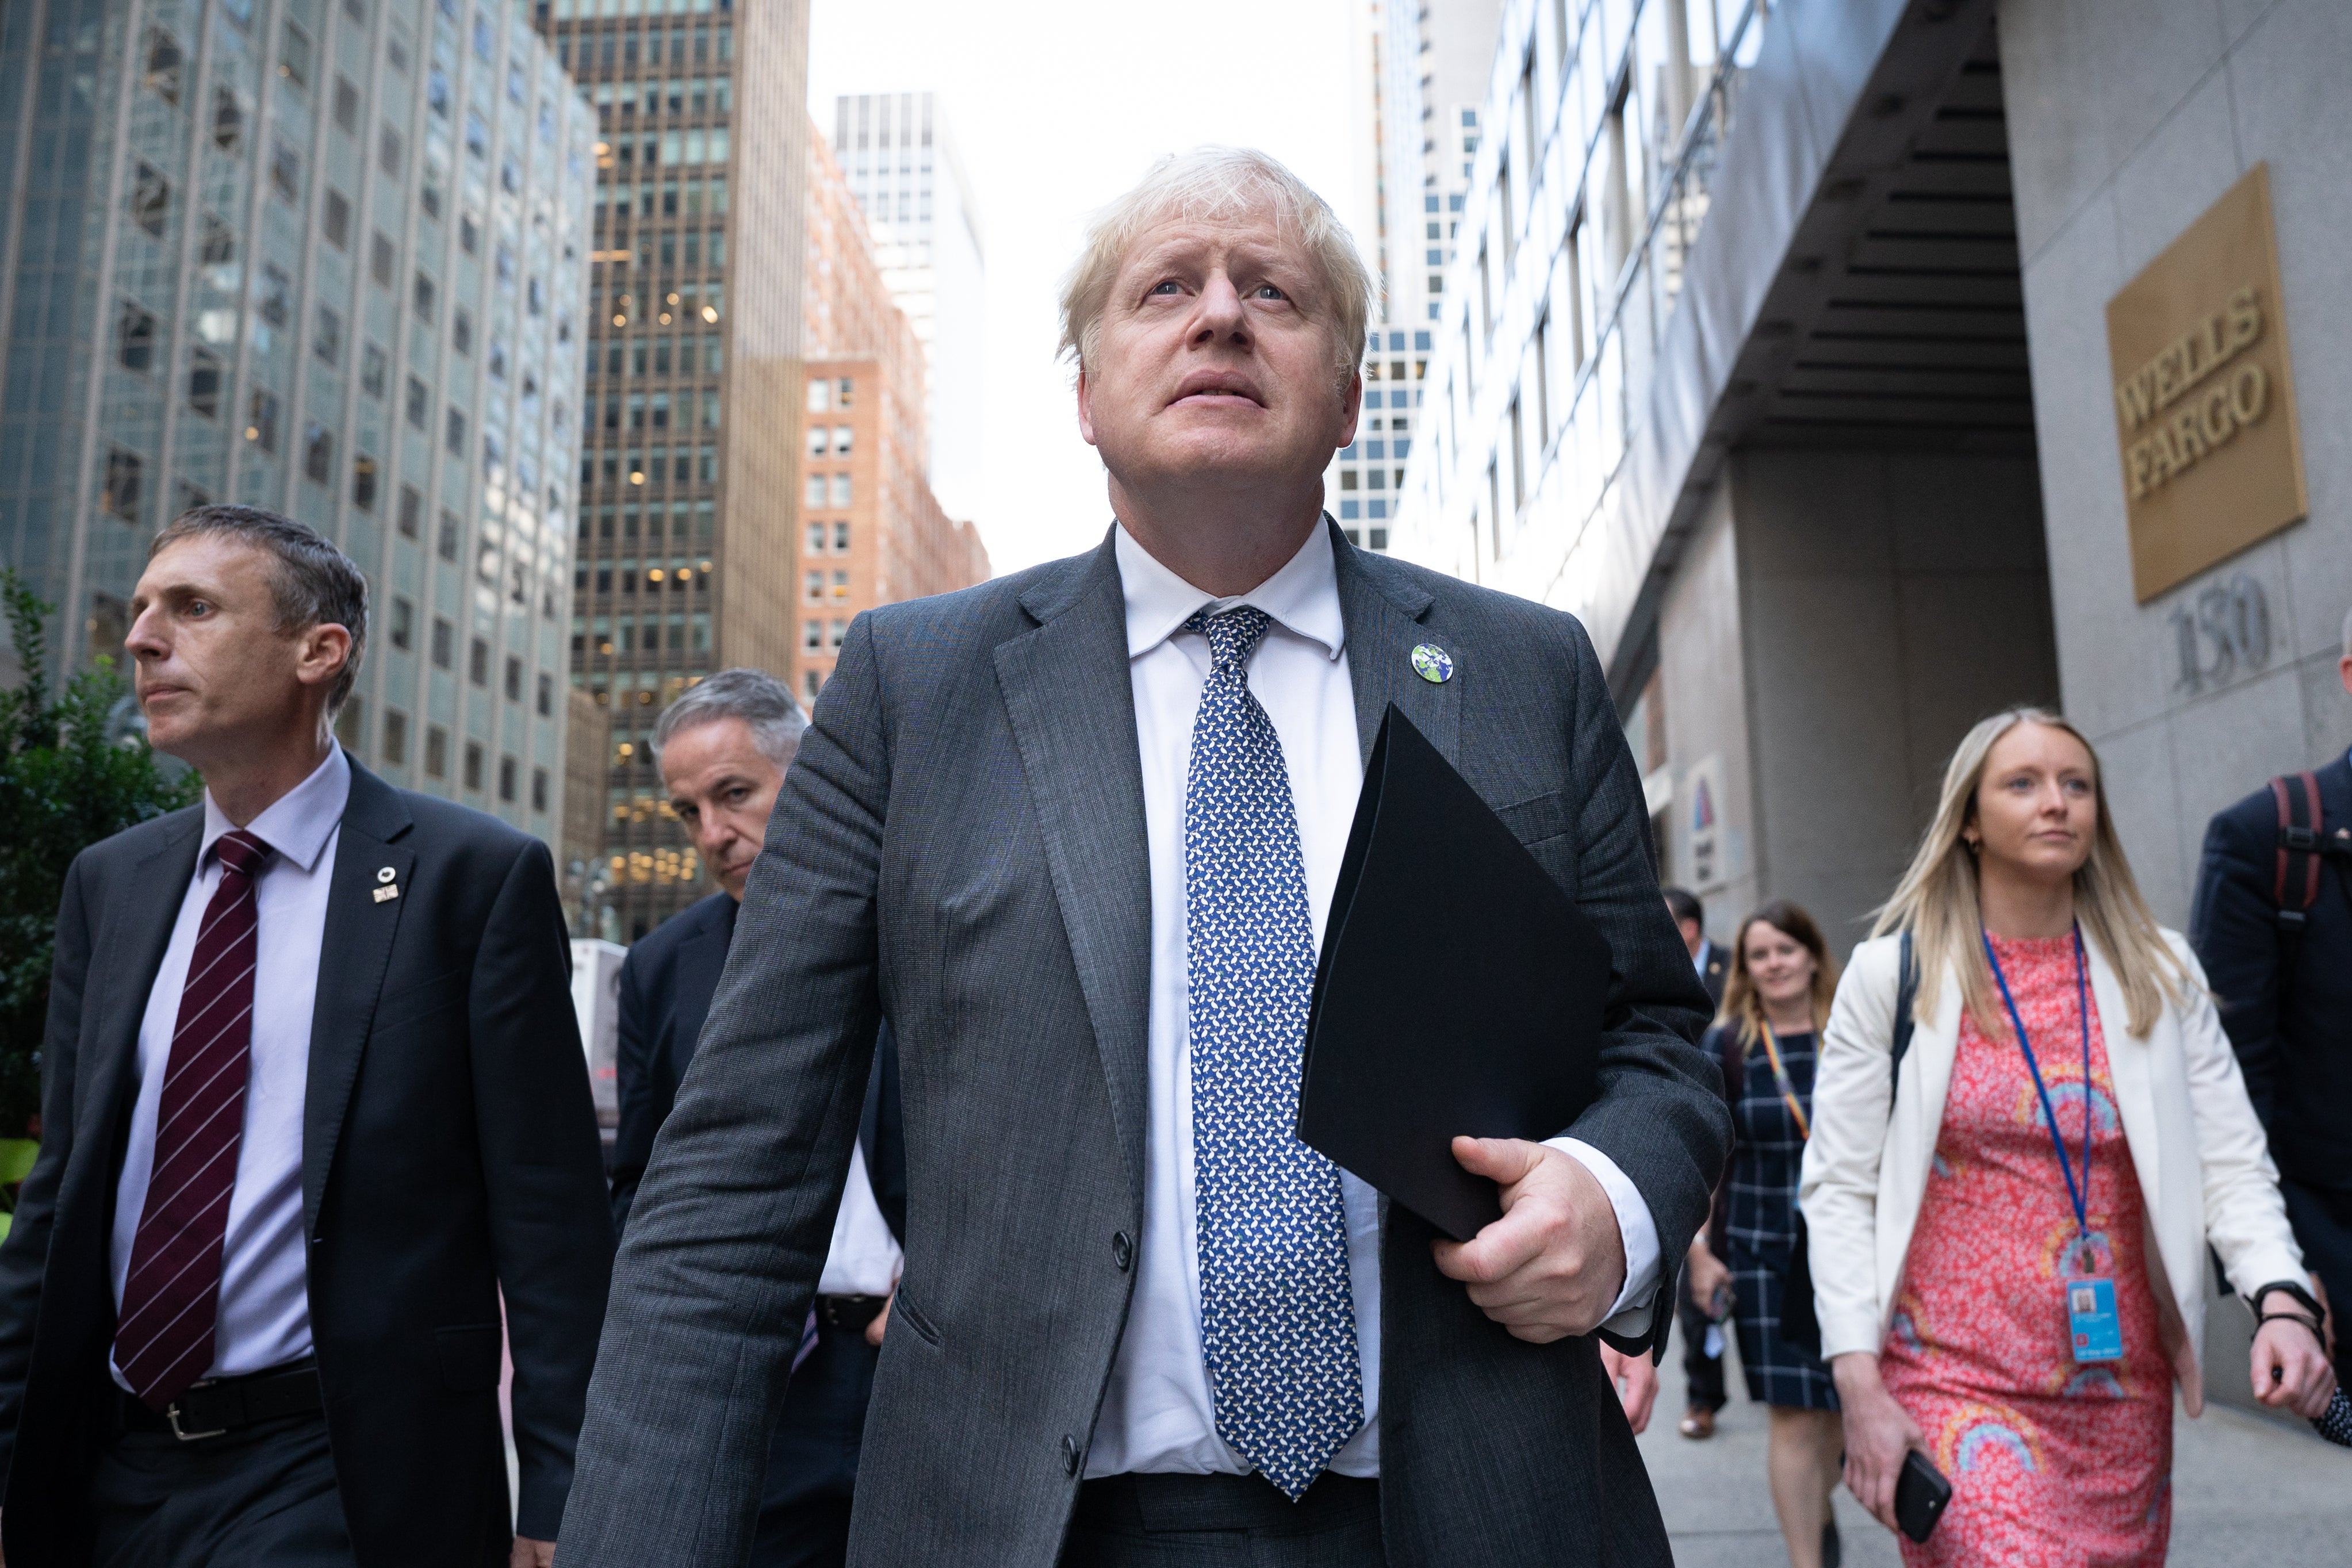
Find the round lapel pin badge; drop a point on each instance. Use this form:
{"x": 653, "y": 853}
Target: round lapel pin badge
{"x": 1432, "y": 663}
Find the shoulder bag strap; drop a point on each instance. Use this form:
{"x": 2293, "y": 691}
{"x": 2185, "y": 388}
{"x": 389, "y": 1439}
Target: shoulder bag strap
{"x": 1906, "y": 991}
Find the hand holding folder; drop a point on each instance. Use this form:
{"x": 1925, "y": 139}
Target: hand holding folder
{"x": 1460, "y": 991}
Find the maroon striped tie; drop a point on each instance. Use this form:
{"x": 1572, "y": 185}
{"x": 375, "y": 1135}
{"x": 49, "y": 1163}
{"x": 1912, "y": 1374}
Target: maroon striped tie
{"x": 171, "y": 1299}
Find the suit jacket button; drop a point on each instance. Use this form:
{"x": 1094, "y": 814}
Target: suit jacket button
{"x": 1069, "y": 1455}
{"x": 1122, "y": 1251}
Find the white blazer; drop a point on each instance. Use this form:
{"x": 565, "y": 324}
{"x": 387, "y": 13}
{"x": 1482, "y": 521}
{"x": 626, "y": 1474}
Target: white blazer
{"x": 2204, "y": 1166}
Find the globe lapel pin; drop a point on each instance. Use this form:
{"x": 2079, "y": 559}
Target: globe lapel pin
{"x": 1432, "y": 663}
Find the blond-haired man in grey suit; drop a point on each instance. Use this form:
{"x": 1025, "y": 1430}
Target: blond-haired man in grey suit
{"x": 1072, "y": 832}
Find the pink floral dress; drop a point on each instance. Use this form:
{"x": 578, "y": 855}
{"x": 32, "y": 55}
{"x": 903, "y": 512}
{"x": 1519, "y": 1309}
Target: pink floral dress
{"x": 2053, "y": 1464}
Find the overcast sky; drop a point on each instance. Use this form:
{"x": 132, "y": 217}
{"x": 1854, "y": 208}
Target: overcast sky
{"x": 1057, "y": 106}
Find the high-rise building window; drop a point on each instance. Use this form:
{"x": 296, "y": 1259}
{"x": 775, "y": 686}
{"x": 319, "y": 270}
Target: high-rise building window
{"x": 836, "y": 634}
{"x": 205, "y": 382}
{"x": 261, "y": 425}
{"x": 286, "y": 173}
{"x": 538, "y": 790}
{"x": 436, "y": 752}
{"x": 841, "y": 489}
{"x": 841, "y": 539}
{"x": 810, "y": 682}
{"x": 383, "y": 258}
{"x": 346, "y": 105}
{"x": 506, "y": 779}
{"x": 814, "y": 589}
{"x": 327, "y": 338}
{"x": 546, "y": 694}
{"x": 514, "y": 679}
{"x": 124, "y": 483}
{"x": 318, "y": 454}
{"x": 412, "y": 511}
{"x": 812, "y": 636}
{"x": 335, "y": 220}
{"x": 444, "y": 543}
{"x": 163, "y": 62}
{"x": 151, "y": 199}
{"x": 473, "y": 764}
{"x": 294, "y": 55}
{"x": 404, "y": 623}
{"x": 444, "y": 636}
{"x": 477, "y": 662}
{"x": 134, "y": 336}
{"x": 363, "y": 482}
{"x": 816, "y": 538}
{"x": 228, "y": 118}
{"x": 394, "y": 747}
{"x": 841, "y": 585}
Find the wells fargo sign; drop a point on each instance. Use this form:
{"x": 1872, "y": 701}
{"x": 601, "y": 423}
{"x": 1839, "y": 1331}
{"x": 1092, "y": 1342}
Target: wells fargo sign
{"x": 2205, "y": 395}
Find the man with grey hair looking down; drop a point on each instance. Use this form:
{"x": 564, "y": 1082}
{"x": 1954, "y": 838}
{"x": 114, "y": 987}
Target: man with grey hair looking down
{"x": 723, "y": 746}
{"x": 1074, "y": 833}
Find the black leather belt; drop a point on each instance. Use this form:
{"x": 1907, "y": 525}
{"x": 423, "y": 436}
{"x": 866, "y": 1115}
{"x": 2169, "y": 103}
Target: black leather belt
{"x": 849, "y": 1314}
{"x": 220, "y": 1405}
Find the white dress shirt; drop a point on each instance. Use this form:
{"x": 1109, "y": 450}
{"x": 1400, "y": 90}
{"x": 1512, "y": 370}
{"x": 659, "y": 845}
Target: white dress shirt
{"x": 1158, "y": 1414}
{"x": 264, "y": 1307}
{"x": 863, "y": 1258}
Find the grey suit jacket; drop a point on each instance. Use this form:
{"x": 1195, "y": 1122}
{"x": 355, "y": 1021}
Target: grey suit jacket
{"x": 960, "y": 845}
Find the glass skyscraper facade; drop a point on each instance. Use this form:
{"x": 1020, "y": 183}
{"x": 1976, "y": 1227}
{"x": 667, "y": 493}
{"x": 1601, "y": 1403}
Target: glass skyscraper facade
{"x": 689, "y": 479}
{"x": 327, "y": 257}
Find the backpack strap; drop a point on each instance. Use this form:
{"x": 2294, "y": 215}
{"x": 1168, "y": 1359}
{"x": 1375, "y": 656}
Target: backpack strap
{"x": 1906, "y": 991}
{"x": 2294, "y": 885}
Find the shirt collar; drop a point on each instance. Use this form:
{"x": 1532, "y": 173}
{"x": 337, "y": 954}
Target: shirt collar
{"x": 1303, "y": 597}
{"x": 298, "y": 823}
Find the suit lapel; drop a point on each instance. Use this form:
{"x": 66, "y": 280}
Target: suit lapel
{"x": 138, "y": 928}
{"x": 353, "y": 951}
{"x": 1384, "y": 613}
{"x": 1070, "y": 698}
{"x": 700, "y": 961}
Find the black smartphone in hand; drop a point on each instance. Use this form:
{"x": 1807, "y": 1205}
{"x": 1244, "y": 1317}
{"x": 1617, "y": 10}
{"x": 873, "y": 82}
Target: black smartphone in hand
{"x": 1920, "y": 1494}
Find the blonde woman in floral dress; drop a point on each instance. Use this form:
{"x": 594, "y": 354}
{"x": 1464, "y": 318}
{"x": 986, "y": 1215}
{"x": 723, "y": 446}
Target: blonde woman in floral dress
{"x": 2008, "y": 1230}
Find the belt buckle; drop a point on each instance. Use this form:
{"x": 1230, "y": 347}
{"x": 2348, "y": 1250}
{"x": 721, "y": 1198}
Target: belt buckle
{"x": 172, "y": 1413}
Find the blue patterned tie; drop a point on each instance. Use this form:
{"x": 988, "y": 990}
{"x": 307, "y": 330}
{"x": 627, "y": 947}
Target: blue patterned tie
{"x": 1278, "y": 1322}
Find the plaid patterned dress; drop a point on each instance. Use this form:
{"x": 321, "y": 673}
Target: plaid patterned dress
{"x": 1762, "y": 1227}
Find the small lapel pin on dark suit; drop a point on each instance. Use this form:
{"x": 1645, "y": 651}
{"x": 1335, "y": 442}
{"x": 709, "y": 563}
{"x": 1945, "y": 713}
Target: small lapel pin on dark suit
{"x": 1432, "y": 663}
{"x": 385, "y": 890}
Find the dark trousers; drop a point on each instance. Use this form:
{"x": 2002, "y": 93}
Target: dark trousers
{"x": 1223, "y": 1521}
{"x": 1702, "y": 1372}
{"x": 264, "y": 1494}
{"x": 812, "y": 1457}
{"x": 2322, "y": 1218}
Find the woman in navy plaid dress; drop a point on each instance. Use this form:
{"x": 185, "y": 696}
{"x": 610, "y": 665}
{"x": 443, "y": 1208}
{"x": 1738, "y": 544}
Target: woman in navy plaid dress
{"x": 1774, "y": 1004}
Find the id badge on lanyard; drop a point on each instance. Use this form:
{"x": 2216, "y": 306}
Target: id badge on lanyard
{"x": 2094, "y": 1329}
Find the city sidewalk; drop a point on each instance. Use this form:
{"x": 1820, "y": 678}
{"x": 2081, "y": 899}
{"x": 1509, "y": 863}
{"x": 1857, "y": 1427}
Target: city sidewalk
{"x": 2246, "y": 1490}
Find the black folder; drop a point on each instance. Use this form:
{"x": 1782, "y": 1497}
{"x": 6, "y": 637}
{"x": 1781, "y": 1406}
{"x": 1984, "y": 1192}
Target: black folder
{"x": 1459, "y": 991}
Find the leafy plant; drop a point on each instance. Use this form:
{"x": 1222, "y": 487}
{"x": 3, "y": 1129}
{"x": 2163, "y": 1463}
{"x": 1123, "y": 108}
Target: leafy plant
{"x": 66, "y": 782}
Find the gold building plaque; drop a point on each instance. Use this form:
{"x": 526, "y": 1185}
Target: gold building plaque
{"x": 2212, "y": 460}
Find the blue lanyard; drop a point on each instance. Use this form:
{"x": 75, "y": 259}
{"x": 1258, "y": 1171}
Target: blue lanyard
{"x": 2081, "y": 1195}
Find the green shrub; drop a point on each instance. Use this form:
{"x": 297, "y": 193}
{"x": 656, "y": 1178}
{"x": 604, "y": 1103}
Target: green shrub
{"x": 64, "y": 785}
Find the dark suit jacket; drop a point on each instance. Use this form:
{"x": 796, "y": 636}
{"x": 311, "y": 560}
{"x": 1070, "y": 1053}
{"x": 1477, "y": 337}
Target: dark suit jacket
{"x": 2293, "y": 1031}
{"x": 449, "y": 1152}
{"x": 667, "y": 982}
{"x": 959, "y": 846}
{"x": 1715, "y": 971}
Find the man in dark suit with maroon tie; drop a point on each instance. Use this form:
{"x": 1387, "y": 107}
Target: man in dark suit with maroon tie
{"x": 318, "y": 1133}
